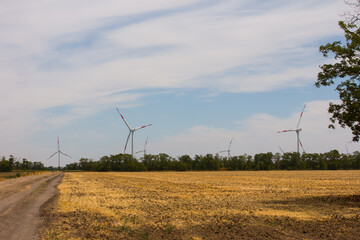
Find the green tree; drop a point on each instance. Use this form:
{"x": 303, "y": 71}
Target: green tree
{"x": 332, "y": 159}
{"x": 311, "y": 161}
{"x": 249, "y": 162}
{"x": 263, "y": 161}
{"x": 84, "y": 164}
{"x": 356, "y": 160}
{"x": 186, "y": 159}
{"x": 347, "y": 71}
{"x": 4, "y": 165}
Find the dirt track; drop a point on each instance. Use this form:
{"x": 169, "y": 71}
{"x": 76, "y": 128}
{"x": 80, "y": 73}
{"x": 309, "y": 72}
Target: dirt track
{"x": 20, "y": 202}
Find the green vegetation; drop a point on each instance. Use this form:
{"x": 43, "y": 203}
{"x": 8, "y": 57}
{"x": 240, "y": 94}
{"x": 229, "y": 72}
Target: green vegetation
{"x": 332, "y": 160}
{"x": 346, "y": 70}
{"x": 8, "y": 165}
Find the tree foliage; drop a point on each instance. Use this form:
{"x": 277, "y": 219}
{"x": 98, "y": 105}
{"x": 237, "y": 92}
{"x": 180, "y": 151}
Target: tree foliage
{"x": 346, "y": 69}
{"x": 8, "y": 165}
{"x": 332, "y": 160}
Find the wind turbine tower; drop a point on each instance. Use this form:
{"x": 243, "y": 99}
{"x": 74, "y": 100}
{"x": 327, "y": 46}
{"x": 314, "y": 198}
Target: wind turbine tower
{"x": 297, "y": 130}
{"x": 58, "y": 152}
{"x": 131, "y": 132}
{"x": 228, "y": 150}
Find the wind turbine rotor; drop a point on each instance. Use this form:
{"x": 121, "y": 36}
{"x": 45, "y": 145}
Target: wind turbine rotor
{"x": 288, "y": 130}
{"x": 142, "y": 127}
{"x": 145, "y": 145}
{"x": 297, "y": 126}
{"x": 302, "y": 146}
{"x": 230, "y": 143}
{"x": 123, "y": 119}
{"x": 297, "y": 129}
{"x": 64, "y": 154}
{"x": 131, "y": 132}
{"x": 146, "y": 142}
{"x": 59, "y": 152}
{"x": 281, "y": 149}
{"x": 228, "y": 150}
{"x": 127, "y": 140}
{"x": 51, "y": 156}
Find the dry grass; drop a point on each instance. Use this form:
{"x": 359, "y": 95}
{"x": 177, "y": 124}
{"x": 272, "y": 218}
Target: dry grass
{"x": 15, "y": 174}
{"x": 207, "y": 205}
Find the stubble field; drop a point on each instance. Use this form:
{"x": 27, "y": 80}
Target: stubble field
{"x": 206, "y": 205}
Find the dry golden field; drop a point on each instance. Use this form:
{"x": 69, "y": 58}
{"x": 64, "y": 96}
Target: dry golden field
{"x": 206, "y": 205}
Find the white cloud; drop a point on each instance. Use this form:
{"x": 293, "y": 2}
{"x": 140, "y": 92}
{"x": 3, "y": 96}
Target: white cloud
{"x": 259, "y": 134}
{"x": 82, "y": 54}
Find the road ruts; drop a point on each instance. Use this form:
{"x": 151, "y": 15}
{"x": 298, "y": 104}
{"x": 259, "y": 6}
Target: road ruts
{"x": 20, "y": 203}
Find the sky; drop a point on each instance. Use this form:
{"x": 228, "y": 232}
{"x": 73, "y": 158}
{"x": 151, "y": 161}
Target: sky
{"x": 201, "y": 71}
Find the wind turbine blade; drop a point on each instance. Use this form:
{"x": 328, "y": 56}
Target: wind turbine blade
{"x": 230, "y": 143}
{"x": 347, "y": 150}
{"x": 146, "y": 143}
{"x": 139, "y": 152}
{"x": 123, "y": 119}
{"x": 51, "y": 156}
{"x": 223, "y": 151}
{"x": 142, "y": 127}
{"x": 281, "y": 149}
{"x": 58, "y": 143}
{"x": 297, "y": 126}
{"x": 302, "y": 147}
{"x": 288, "y": 130}
{"x": 65, "y": 154}
{"x": 127, "y": 140}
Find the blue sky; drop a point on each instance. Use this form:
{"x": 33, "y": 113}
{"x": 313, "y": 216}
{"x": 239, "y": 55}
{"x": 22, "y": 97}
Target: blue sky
{"x": 201, "y": 71}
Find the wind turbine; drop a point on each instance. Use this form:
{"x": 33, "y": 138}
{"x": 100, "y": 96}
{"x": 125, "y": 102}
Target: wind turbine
{"x": 58, "y": 152}
{"x": 297, "y": 130}
{"x": 131, "y": 132}
{"x": 281, "y": 149}
{"x": 228, "y": 150}
{"x": 346, "y": 146}
{"x": 144, "y": 148}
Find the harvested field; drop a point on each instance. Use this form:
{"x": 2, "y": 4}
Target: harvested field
{"x": 206, "y": 205}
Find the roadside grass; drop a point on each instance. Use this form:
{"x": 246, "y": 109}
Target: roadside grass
{"x": 16, "y": 174}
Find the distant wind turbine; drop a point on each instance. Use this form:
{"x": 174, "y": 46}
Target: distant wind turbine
{"x": 58, "y": 152}
{"x": 228, "y": 150}
{"x": 281, "y": 149}
{"x": 346, "y": 146}
{"x": 347, "y": 150}
{"x": 131, "y": 132}
{"x": 144, "y": 151}
{"x": 297, "y": 130}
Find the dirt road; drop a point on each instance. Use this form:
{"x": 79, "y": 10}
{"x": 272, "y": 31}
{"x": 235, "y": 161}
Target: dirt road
{"x": 20, "y": 202}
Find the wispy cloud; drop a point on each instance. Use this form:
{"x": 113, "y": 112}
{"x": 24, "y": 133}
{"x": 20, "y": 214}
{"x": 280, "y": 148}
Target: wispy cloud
{"x": 90, "y": 56}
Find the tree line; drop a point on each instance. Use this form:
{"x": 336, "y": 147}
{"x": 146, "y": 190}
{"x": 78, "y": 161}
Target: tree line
{"x": 331, "y": 160}
{"x": 11, "y": 164}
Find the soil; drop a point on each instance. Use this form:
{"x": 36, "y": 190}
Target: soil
{"x": 21, "y": 201}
